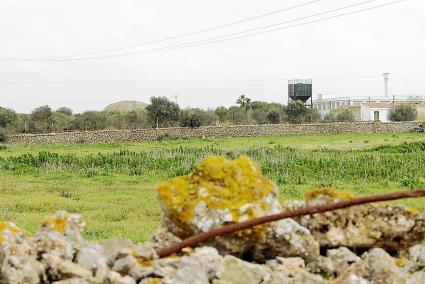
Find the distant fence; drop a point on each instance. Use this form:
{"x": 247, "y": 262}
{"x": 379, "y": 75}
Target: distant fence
{"x": 105, "y": 136}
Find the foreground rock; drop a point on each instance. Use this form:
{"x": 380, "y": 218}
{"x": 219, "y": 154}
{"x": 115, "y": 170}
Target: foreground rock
{"x": 220, "y": 192}
{"x": 372, "y": 243}
{"x": 58, "y": 254}
{"x": 392, "y": 227}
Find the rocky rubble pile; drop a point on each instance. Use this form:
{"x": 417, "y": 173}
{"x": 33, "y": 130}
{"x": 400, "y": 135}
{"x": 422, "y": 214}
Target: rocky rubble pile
{"x": 373, "y": 243}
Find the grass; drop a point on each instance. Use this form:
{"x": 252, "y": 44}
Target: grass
{"x": 302, "y": 142}
{"x": 113, "y": 185}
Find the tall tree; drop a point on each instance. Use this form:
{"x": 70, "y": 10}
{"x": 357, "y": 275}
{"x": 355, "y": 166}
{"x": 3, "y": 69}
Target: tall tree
{"x": 245, "y": 103}
{"x": 42, "y": 119}
{"x": 65, "y": 110}
{"x": 7, "y": 117}
{"x": 162, "y": 112}
{"x": 222, "y": 113}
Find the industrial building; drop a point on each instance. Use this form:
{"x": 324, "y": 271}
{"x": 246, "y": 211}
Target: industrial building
{"x": 325, "y": 105}
{"x": 358, "y": 104}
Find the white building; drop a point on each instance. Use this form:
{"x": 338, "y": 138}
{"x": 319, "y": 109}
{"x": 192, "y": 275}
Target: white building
{"x": 375, "y": 111}
{"x": 325, "y": 105}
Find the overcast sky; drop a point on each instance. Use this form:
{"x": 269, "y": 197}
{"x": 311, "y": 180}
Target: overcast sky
{"x": 345, "y": 56}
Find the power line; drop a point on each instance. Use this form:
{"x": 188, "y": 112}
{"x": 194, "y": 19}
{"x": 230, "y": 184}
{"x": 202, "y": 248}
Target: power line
{"x": 185, "y": 34}
{"x": 214, "y": 39}
{"x": 252, "y": 34}
{"x": 229, "y": 36}
{"x": 197, "y": 42}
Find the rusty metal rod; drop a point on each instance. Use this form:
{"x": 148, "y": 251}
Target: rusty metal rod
{"x": 228, "y": 229}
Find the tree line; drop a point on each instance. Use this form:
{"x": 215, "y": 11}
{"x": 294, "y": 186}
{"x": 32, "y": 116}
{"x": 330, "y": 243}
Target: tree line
{"x": 161, "y": 112}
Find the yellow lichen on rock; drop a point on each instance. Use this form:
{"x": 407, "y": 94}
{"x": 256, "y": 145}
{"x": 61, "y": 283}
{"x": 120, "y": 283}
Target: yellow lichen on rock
{"x": 220, "y": 192}
{"x": 153, "y": 281}
{"x": 411, "y": 210}
{"x": 401, "y": 262}
{"x": 3, "y": 225}
{"x": 9, "y": 230}
{"x": 58, "y": 222}
{"x": 334, "y": 194}
{"x": 9, "y": 226}
{"x": 218, "y": 184}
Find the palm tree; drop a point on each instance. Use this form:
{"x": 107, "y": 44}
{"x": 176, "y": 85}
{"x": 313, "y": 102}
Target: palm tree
{"x": 245, "y": 103}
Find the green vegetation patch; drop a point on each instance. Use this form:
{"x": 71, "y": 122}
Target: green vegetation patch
{"x": 113, "y": 185}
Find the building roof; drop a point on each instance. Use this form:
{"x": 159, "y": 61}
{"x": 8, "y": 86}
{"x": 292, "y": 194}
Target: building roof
{"x": 377, "y": 105}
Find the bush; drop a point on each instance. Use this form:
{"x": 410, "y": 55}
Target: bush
{"x": 273, "y": 117}
{"x": 296, "y": 112}
{"x": 190, "y": 119}
{"x": 330, "y": 117}
{"x": 403, "y": 113}
{"x": 345, "y": 116}
{"x": 3, "y": 136}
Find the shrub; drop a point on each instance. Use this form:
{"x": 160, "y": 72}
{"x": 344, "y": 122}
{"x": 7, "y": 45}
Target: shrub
{"x": 190, "y": 119}
{"x": 345, "y": 116}
{"x": 330, "y": 117}
{"x": 273, "y": 117}
{"x": 3, "y": 136}
{"x": 403, "y": 113}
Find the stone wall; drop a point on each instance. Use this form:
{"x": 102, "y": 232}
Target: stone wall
{"x": 105, "y": 136}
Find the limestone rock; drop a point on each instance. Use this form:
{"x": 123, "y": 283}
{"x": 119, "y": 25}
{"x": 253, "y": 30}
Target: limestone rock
{"x": 341, "y": 258}
{"x": 17, "y": 261}
{"x": 235, "y": 270}
{"x": 116, "y": 248}
{"x": 416, "y": 258}
{"x": 323, "y": 266}
{"x": 163, "y": 238}
{"x": 165, "y": 267}
{"x": 376, "y": 266}
{"x": 72, "y": 281}
{"x": 286, "y": 263}
{"x": 58, "y": 253}
{"x": 200, "y": 267}
{"x": 390, "y": 227}
{"x": 382, "y": 267}
{"x": 91, "y": 257}
{"x": 291, "y": 270}
{"x": 354, "y": 279}
{"x": 220, "y": 192}
{"x": 416, "y": 278}
{"x": 125, "y": 264}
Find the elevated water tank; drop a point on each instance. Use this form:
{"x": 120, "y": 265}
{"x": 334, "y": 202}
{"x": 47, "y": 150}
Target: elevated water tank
{"x": 300, "y": 90}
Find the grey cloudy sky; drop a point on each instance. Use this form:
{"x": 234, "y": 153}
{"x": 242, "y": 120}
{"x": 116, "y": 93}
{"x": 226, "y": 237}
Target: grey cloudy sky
{"x": 345, "y": 56}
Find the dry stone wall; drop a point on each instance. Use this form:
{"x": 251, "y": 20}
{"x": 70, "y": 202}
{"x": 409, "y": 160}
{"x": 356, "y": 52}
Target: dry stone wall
{"x": 105, "y": 136}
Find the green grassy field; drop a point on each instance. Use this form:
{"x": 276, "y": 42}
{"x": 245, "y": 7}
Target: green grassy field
{"x": 113, "y": 185}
